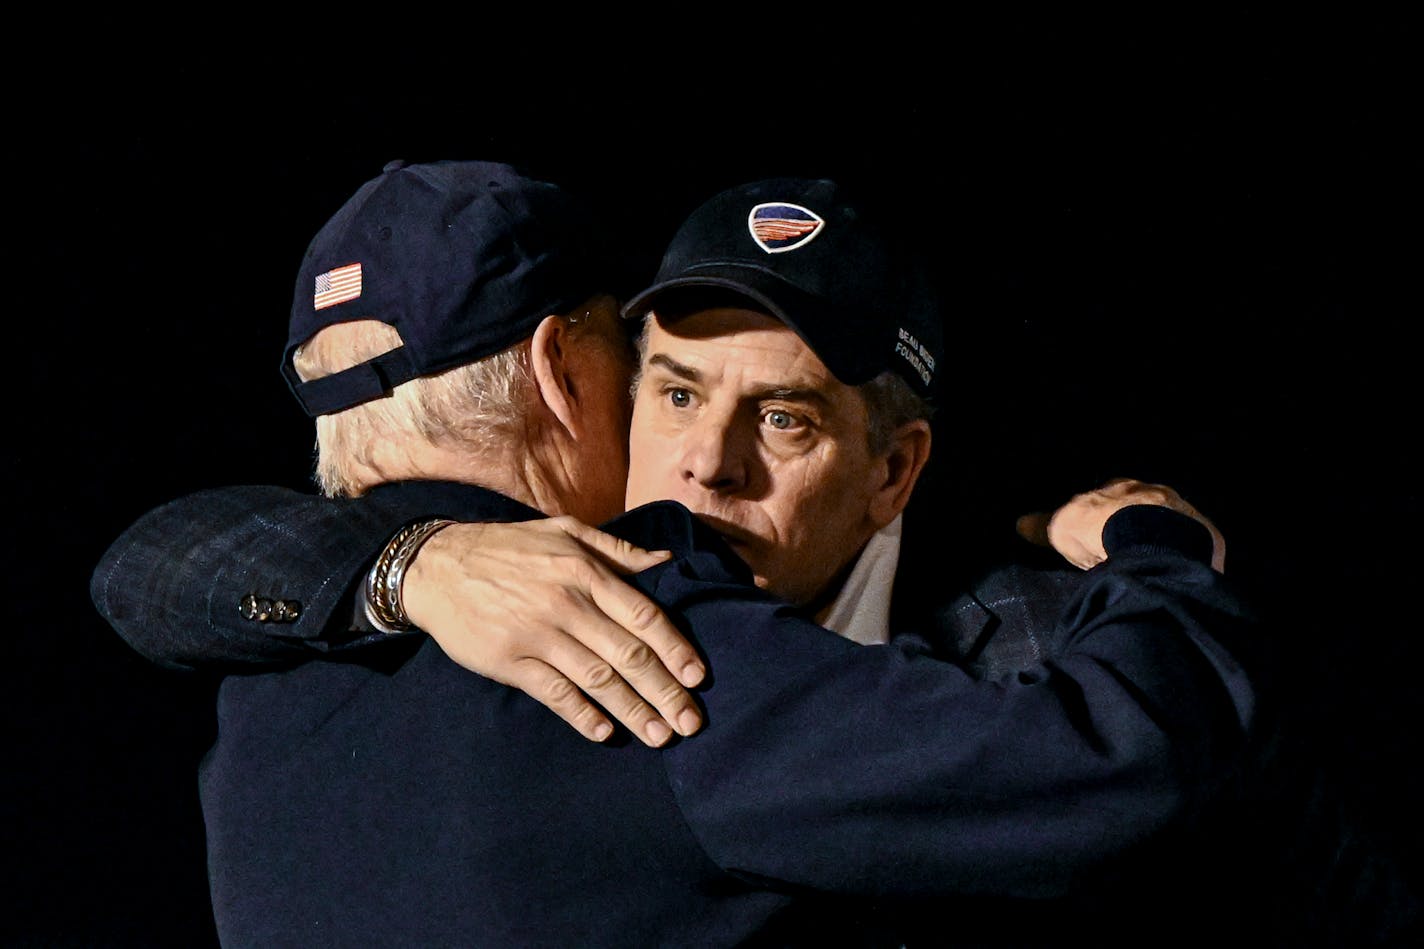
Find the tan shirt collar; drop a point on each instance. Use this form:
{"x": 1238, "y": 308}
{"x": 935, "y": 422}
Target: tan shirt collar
{"x": 861, "y": 611}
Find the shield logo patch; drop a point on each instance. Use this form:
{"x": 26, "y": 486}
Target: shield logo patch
{"x": 777, "y": 228}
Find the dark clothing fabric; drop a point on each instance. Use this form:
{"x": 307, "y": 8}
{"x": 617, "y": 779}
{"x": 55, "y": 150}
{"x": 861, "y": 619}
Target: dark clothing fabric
{"x": 390, "y": 797}
{"x": 174, "y": 584}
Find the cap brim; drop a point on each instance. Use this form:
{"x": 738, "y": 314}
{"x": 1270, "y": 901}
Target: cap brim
{"x": 638, "y": 306}
{"x": 769, "y": 292}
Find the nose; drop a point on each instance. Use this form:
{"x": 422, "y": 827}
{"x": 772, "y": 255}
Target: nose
{"x": 715, "y": 454}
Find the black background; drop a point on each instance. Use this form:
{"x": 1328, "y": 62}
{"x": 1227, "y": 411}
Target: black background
{"x": 1168, "y": 250}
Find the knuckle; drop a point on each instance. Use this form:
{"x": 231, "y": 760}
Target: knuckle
{"x": 672, "y": 694}
{"x": 584, "y": 715}
{"x": 581, "y": 569}
{"x": 562, "y": 693}
{"x": 643, "y": 615}
{"x": 565, "y": 524}
{"x": 565, "y": 602}
{"x": 600, "y": 676}
{"x": 637, "y": 656}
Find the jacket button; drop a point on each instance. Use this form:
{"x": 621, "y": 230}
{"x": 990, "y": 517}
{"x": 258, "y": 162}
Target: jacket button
{"x": 286, "y": 611}
{"x": 255, "y": 608}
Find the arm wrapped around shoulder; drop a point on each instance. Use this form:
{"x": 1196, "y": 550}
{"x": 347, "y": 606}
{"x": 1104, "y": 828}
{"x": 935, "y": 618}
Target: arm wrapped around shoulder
{"x": 243, "y": 575}
{"x": 875, "y": 770}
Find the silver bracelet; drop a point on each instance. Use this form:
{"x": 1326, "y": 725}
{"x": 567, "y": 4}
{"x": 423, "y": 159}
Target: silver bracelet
{"x": 384, "y": 584}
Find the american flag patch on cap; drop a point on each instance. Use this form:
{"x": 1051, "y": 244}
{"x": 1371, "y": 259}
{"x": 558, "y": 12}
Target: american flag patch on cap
{"x": 337, "y": 286}
{"x": 781, "y": 227}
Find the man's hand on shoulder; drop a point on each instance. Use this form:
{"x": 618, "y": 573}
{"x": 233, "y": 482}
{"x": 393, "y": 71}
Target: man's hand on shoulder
{"x": 1075, "y": 530}
{"x": 540, "y": 606}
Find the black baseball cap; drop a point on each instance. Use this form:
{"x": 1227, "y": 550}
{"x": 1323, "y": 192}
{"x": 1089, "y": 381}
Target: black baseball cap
{"x": 799, "y": 249}
{"x": 463, "y": 258}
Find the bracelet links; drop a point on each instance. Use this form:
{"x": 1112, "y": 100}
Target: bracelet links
{"x": 385, "y": 581}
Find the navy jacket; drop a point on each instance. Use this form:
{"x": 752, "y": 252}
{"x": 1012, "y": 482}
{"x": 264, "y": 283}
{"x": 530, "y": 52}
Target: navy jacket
{"x": 401, "y": 800}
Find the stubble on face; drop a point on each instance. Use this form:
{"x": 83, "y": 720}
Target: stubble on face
{"x": 736, "y": 418}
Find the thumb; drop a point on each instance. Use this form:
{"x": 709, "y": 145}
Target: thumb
{"x": 1034, "y": 528}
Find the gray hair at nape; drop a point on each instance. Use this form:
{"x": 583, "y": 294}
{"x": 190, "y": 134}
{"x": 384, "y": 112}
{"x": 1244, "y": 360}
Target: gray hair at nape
{"x": 477, "y": 406}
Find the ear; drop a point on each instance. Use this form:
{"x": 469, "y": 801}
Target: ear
{"x": 549, "y": 361}
{"x": 901, "y": 467}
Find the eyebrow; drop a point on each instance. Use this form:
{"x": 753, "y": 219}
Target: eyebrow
{"x": 787, "y": 394}
{"x": 675, "y": 367}
{"x": 804, "y": 394}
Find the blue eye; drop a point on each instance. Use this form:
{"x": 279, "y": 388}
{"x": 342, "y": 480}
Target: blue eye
{"x": 680, "y": 398}
{"x": 781, "y": 420}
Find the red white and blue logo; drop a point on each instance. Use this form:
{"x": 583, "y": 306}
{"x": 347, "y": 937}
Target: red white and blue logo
{"x": 778, "y": 228}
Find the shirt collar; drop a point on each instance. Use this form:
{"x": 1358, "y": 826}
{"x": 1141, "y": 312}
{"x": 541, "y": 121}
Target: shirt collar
{"x": 861, "y": 611}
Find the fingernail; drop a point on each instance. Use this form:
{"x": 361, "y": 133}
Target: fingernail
{"x": 688, "y": 722}
{"x": 601, "y": 732}
{"x": 657, "y": 731}
{"x": 691, "y": 674}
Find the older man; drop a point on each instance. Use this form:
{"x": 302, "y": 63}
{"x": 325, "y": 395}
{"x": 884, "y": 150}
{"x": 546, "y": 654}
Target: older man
{"x": 400, "y": 797}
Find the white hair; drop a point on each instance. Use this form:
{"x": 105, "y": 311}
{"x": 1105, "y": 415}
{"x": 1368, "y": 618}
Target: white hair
{"x": 476, "y": 406}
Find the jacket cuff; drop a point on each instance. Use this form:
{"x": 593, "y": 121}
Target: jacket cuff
{"x": 1151, "y": 528}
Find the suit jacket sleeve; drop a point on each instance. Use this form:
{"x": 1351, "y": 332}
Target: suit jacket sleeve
{"x": 174, "y": 584}
{"x": 881, "y": 771}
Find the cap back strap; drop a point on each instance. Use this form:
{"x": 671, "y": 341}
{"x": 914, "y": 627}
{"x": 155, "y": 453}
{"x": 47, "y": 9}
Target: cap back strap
{"x": 362, "y": 382}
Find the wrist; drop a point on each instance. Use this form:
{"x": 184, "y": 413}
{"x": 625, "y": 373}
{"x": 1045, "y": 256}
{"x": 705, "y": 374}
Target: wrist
{"x": 430, "y": 575}
{"x": 385, "y": 583}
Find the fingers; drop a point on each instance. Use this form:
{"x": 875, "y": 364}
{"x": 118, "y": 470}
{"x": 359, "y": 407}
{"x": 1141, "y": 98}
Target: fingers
{"x": 1075, "y": 529}
{"x": 604, "y": 670}
{"x": 1138, "y": 492}
{"x": 541, "y": 606}
{"x": 1034, "y": 528}
{"x": 549, "y": 687}
{"x": 632, "y": 610}
{"x": 619, "y": 554}
{"x": 640, "y": 616}
{"x": 650, "y": 658}
{"x": 1064, "y": 531}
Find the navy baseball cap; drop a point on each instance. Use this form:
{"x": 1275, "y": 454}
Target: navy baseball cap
{"x": 800, "y": 250}
{"x": 463, "y": 258}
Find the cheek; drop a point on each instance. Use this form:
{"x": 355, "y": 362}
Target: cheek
{"x": 822, "y": 507}
{"x": 825, "y": 486}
